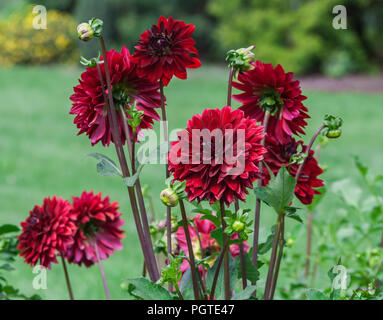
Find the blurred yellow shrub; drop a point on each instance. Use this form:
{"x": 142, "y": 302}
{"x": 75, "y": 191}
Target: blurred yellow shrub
{"x": 20, "y": 43}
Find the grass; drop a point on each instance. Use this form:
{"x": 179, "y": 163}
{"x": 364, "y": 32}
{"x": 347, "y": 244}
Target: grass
{"x": 41, "y": 156}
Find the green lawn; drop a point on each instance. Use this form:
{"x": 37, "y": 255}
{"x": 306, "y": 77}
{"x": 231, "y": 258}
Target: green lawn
{"x": 41, "y": 156}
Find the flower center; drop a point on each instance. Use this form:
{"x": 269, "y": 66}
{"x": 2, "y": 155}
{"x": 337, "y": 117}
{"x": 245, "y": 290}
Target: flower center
{"x": 89, "y": 228}
{"x": 160, "y": 44}
{"x": 271, "y": 101}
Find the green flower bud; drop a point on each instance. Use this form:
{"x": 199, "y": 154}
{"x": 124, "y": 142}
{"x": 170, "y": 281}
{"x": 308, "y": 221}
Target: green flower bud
{"x": 241, "y": 59}
{"x": 169, "y": 197}
{"x": 85, "y": 31}
{"x": 238, "y": 226}
{"x": 290, "y": 242}
{"x": 332, "y": 127}
{"x": 124, "y": 286}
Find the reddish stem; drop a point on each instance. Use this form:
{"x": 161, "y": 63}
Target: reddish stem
{"x": 67, "y": 277}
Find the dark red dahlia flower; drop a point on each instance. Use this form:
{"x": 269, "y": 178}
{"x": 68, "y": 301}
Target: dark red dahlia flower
{"x": 279, "y": 154}
{"x": 128, "y": 88}
{"x": 47, "y": 231}
{"x": 271, "y": 89}
{"x": 166, "y": 50}
{"x": 217, "y": 155}
{"x": 208, "y": 245}
{"x": 99, "y": 224}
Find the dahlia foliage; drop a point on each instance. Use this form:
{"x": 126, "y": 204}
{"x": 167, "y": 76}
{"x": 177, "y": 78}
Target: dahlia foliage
{"x": 214, "y": 162}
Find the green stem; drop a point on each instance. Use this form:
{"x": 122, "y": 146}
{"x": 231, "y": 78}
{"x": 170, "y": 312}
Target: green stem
{"x": 216, "y": 274}
{"x": 112, "y": 117}
{"x": 258, "y": 203}
{"x": 241, "y": 253}
{"x": 272, "y": 259}
{"x": 279, "y": 259}
{"x": 226, "y": 266}
{"x": 190, "y": 250}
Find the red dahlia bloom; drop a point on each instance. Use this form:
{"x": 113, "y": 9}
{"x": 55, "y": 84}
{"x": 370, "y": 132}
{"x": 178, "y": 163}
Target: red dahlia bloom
{"x": 209, "y": 244}
{"x": 47, "y": 231}
{"x": 229, "y": 167}
{"x": 271, "y": 89}
{"x": 279, "y": 154}
{"x": 99, "y": 224}
{"x": 166, "y": 50}
{"x": 128, "y": 88}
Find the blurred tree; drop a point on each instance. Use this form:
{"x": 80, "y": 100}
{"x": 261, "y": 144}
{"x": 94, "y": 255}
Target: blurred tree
{"x": 299, "y": 34}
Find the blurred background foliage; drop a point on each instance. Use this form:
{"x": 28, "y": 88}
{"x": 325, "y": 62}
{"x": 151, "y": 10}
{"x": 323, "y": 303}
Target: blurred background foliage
{"x": 296, "y": 33}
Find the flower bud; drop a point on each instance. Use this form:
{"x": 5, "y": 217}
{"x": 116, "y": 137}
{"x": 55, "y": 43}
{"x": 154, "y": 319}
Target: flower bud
{"x": 333, "y": 134}
{"x": 290, "y": 242}
{"x": 238, "y": 226}
{"x": 85, "y": 31}
{"x": 332, "y": 127}
{"x": 169, "y": 197}
{"x": 241, "y": 59}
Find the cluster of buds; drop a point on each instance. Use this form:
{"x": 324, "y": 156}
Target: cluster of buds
{"x": 332, "y": 126}
{"x": 241, "y": 59}
{"x": 173, "y": 193}
{"x": 87, "y": 30}
{"x": 239, "y": 223}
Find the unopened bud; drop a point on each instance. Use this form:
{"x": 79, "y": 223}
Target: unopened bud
{"x": 241, "y": 59}
{"x": 238, "y": 226}
{"x": 85, "y": 31}
{"x": 169, "y": 197}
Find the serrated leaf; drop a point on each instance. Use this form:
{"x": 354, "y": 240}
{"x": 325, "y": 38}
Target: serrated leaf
{"x": 314, "y": 294}
{"x": 279, "y": 192}
{"x": 252, "y": 274}
{"x": 266, "y": 246}
{"x": 292, "y": 214}
{"x": 8, "y": 228}
{"x": 106, "y": 166}
{"x": 143, "y": 289}
{"x": 131, "y": 181}
{"x": 245, "y": 294}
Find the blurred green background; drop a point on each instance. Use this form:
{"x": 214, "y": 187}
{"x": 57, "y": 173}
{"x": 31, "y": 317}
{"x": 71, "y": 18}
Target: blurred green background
{"x": 42, "y": 156}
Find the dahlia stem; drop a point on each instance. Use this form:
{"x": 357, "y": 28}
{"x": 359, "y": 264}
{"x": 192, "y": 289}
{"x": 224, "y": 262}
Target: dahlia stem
{"x": 190, "y": 250}
{"x": 230, "y": 86}
{"x": 144, "y": 217}
{"x": 258, "y": 203}
{"x": 308, "y": 248}
{"x": 226, "y": 266}
{"x": 112, "y": 116}
{"x": 241, "y": 253}
{"x": 106, "y": 288}
{"x": 316, "y": 134}
{"x": 216, "y": 274}
{"x": 67, "y": 277}
{"x": 168, "y": 209}
{"x": 273, "y": 258}
{"x": 279, "y": 259}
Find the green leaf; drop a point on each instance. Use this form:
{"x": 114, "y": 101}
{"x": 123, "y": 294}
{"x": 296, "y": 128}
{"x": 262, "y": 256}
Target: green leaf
{"x": 266, "y": 246}
{"x": 212, "y": 218}
{"x": 291, "y": 212}
{"x": 219, "y": 291}
{"x": 106, "y": 166}
{"x": 280, "y": 191}
{"x": 7, "y": 267}
{"x": 186, "y": 285}
{"x": 245, "y": 294}
{"x": 361, "y": 167}
{"x": 252, "y": 274}
{"x": 314, "y": 294}
{"x": 131, "y": 181}
{"x": 143, "y": 289}
{"x": 8, "y": 228}
{"x": 217, "y": 235}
